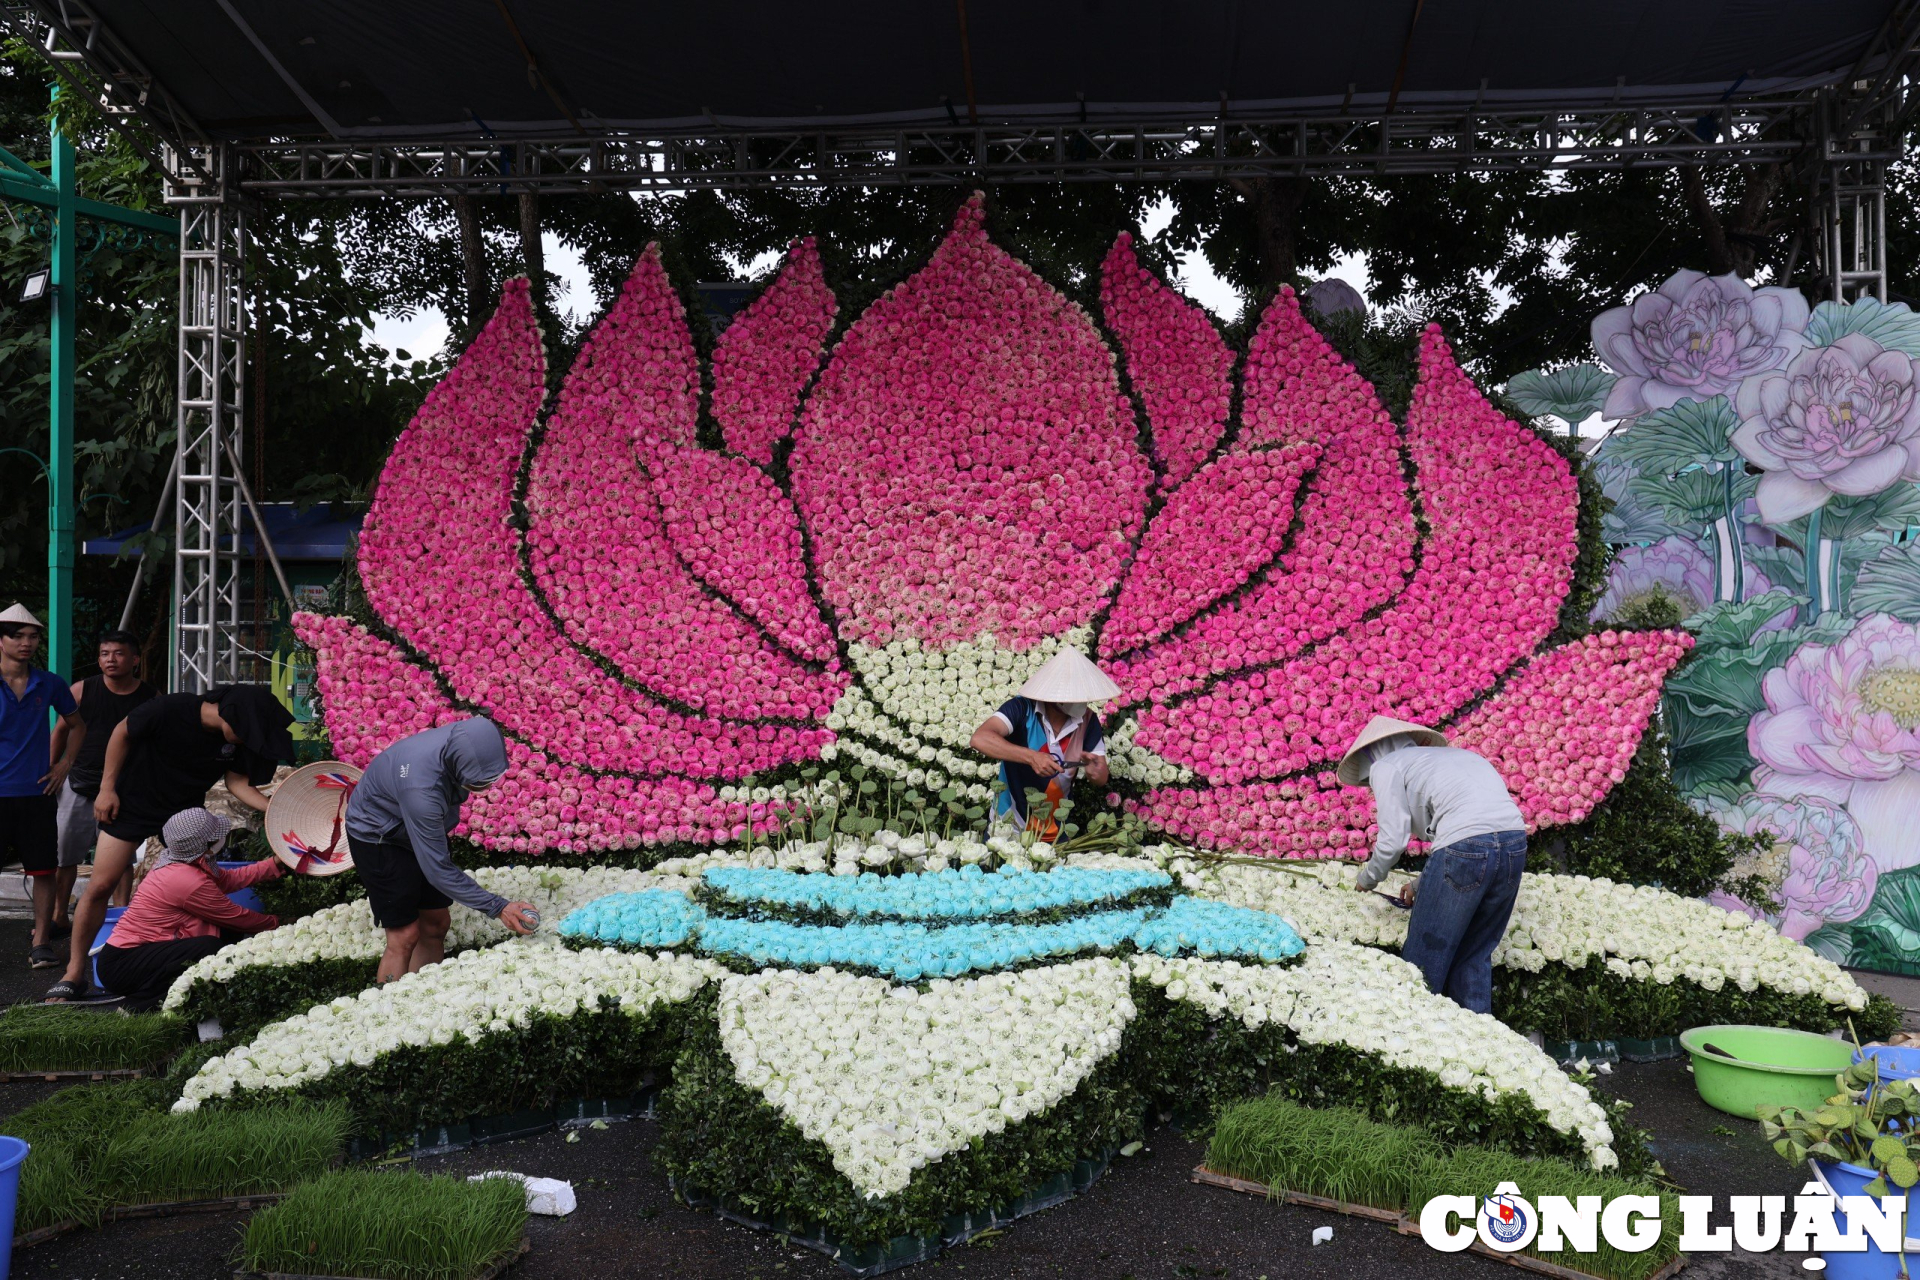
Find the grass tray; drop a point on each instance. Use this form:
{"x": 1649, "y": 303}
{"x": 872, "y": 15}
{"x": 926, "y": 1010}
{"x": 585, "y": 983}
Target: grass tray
{"x": 490, "y": 1272}
{"x": 1408, "y": 1226}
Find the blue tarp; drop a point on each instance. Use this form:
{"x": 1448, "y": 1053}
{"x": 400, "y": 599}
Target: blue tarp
{"x": 318, "y": 533}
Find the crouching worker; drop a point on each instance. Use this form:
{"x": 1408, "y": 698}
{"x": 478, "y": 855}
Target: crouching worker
{"x": 402, "y": 811}
{"x": 1457, "y": 802}
{"x": 181, "y": 912}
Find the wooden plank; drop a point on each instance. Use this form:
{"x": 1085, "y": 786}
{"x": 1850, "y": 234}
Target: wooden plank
{"x": 167, "y": 1208}
{"x": 47, "y": 1077}
{"x": 1540, "y": 1266}
{"x": 493, "y": 1272}
{"x": 41, "y": 1235}
{"x": 1208, "y": 1177}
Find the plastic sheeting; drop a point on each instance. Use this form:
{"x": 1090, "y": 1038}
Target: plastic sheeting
{"x": 252, "y": 69}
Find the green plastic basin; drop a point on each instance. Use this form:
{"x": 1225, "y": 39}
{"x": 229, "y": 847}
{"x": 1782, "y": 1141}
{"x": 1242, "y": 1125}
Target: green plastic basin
{"x": 1770, "y": 1067}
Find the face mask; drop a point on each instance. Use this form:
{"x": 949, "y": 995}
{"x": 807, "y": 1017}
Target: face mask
{"x": 1074, "y": 709}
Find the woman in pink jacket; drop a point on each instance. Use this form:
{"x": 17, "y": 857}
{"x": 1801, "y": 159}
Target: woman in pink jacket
{"x": 181, "y": 912}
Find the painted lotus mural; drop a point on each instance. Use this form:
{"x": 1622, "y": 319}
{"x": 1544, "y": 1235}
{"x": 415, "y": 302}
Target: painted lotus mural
{"x": 1764, "y": 478}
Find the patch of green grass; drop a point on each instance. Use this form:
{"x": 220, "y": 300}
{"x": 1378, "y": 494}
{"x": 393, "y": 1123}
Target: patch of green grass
{"x": 51, "y": 1038}
{"x": 388, "y": 1226}
{"x": 95, "y": 1147}
{"x": 205, "y": 1155}
{"x": 1336, "y": 1152}
{"x": 1476, "y": 1171}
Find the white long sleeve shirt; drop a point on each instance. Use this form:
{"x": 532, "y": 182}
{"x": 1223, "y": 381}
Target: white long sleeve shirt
{"x": 1441, "y": 795}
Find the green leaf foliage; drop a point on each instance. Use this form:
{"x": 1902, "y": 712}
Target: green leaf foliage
{"x": 1727, "y": 623}
{"x": 1669, "y": 441}
{"x": 719, "y": 1138}
{"x": 1644, "y": 832}
{"x": 1865, "y": 1124}
{"x": 1572, "y": 394}
{"x": 1893, "y": 509}
{"x": 1627, "y": 519}
{"x": 1691, "y": 499}
{"x": 1887, "y": 937}
{"x": 1594, "y": 1003}
{"x": 1892, "y": 325}
{"x": 263, "y": 993}
{"x": 602, "y": 1053}
{"x": 1890, "y": 583}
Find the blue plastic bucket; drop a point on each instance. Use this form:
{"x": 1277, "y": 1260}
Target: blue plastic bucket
{"x": 1872, "y": 1264}
{"x": 1895, "y": 1063}
{"x": 12, "y": 1152}
{"x": 244, "y": 897}
{"x": 100, "y": 939}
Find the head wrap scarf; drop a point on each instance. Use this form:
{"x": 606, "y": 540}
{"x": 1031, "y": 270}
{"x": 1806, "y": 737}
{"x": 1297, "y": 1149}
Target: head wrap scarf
{"x": 191, "y": 834}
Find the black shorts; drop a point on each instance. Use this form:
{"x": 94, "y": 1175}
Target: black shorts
{"x": 30, "y": 831}
{"x": 397, "y": 890}
{"x": 136, "y": 829}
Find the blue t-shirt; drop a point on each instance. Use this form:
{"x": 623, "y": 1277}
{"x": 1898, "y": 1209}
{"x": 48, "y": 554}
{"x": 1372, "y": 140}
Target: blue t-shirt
{"x": 26, "y": 736}
{"x": 1030, "y": 731}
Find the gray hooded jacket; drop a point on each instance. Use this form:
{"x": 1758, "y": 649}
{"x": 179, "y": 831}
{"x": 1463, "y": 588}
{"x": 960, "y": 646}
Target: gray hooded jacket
{"x": 411, "y": 795}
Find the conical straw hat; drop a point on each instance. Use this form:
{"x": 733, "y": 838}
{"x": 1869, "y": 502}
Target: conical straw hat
{"x": 21, "y": 615}
{"x": 306, "y": 818}
{"x": 1069, "y": 676}
{"x": 1351, "y": 772}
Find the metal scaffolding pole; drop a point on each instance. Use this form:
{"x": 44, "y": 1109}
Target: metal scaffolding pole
{"x": 207, "y": 498}
{"x": 1855, "y": 230}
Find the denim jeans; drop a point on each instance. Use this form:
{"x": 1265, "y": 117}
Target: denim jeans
{"x": 1465, "y": 899}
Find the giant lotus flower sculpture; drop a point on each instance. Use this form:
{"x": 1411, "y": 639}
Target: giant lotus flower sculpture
{"x": 673, "y": 590}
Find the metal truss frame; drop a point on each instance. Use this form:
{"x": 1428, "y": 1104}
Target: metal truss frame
{"x": 207, "y": 498}
{"x": 1838, "y": 140}
{"x": 1411, "y": 141}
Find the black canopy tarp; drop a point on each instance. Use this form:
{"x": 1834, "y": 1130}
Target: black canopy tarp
{"x": 397, "y": 69}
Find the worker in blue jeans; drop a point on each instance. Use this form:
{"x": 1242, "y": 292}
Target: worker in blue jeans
{"x": 1456, "y": 802}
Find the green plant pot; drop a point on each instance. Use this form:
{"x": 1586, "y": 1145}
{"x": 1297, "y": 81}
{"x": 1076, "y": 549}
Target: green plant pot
{"x": 1770, "y": 1067}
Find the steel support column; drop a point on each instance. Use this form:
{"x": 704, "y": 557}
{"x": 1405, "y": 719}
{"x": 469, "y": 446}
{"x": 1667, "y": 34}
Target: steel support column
{"x": 1854, "y": 230}
{"x": 207, "y": 502}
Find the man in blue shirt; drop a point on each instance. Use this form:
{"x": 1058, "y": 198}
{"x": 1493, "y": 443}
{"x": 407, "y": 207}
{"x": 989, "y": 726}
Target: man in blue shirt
{"x": 29, "y": 787}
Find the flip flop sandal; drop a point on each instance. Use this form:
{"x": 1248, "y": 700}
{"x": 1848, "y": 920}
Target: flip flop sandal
{"x": 64, "y": 992}
{"x": 44, "y": 956}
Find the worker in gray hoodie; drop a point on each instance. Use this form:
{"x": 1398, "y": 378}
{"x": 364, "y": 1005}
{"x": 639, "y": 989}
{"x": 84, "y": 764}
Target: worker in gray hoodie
{"x": 398, "y": 820}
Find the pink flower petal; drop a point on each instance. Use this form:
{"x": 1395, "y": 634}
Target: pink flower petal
{"x": 441, "y": 565}
{"x": 1355, "y": 544}
{"x": 967, "y": 463}
{"x": 1501, "y": 505}
{"x": 1177, "y": 361}
{"x": 765, "y": 356}
{"x": 1216, "y": 530}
